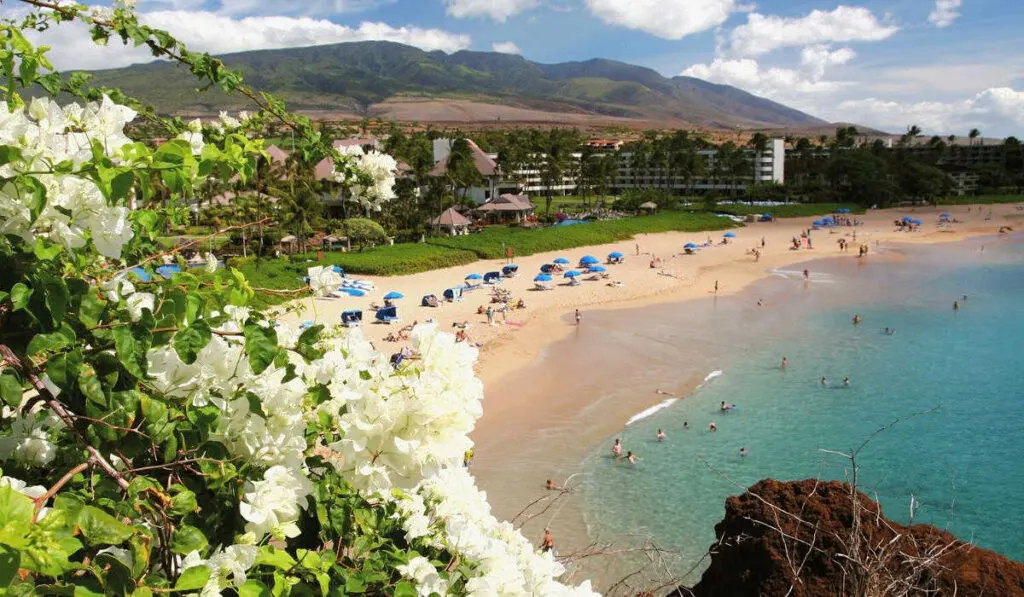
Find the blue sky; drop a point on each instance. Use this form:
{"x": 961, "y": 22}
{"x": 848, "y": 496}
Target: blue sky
{"x": 945, "y": 65}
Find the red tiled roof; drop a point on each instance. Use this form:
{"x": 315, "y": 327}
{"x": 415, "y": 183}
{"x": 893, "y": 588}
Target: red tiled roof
{"x": 508, "y": 202}
{"x": 450, "y": 217}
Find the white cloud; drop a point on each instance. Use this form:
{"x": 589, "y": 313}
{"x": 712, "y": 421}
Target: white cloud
{"x": 997, "y": 112}
{"x": 946, "y": 11}
{"x": 506, "y": 47}
{"x": 499, "y": 10}
{"x": 218, "y": 34}
{"x": 673, "y": 19}
{"x": 762, "y": 34}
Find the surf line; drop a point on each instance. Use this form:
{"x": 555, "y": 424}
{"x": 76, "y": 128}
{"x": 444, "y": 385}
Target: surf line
{"x": 673, "y": 398}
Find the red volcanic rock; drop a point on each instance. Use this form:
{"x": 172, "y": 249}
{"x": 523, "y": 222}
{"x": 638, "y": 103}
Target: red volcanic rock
{"x": 800, "y": 534}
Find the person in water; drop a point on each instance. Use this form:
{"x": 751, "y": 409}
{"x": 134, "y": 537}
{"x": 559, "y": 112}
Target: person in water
{"x": 956, "y": 306}
{"x": 824, "y": 381}
{"x": 785, "y": 362}
{"x": 617, "y": 448}
{"x": 807, "y": 274}
{"x": 889, "y": 331}
{"x": 846, "y": 381}
{"x": 661, "y": 435}
{"x": 726, "y": 406}
{"x": 686, "y": 425}
{"x": 551, "y": 485}
{"x": 631, "y": 457}
{"x": 743, "y": 452}
{"x": 548, "y": 543}
{"x": 712, "y": 427}
{"x": 856, "y": 319}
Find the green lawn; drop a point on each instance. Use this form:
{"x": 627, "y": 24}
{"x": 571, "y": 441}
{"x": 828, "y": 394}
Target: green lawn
{"x": 491, "y": 243}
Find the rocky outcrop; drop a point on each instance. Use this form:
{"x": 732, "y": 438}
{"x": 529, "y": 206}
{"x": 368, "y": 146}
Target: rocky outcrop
{"x": 800, "y": 534}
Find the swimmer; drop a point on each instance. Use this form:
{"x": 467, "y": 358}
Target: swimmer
{"x": 807, "y": 274}
{"x": 551, "y": 485}
{"x": 661, "y": 435}
{"x": 785, "y": 362}
{"x": 712, "y": 427}
{"x": 617, "y": 449}
{"x": 549, "y": 540}
{"x": 856, "y": 319}
{"x": 743, "y": 452}
{"x": 686, "y": 425}
{"x": 889, "y": 331}
{"x": 824, "y": 382}
{"x": 846, "y": 381}
{"x": 631, "y": 457}
{"x": 956, "y": 306}
{"x": 726, "y": 406}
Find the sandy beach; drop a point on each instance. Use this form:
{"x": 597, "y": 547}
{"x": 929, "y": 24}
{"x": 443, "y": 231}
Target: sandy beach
{"x": 521, "y": 418}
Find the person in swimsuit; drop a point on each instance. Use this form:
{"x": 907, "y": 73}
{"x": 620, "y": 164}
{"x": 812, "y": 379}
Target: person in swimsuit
{"x": 549, "y": 540}
{"x": 824, "y": 381}
{"x": 551, "y": 485}
{"x": 617, "y": 449}
{"x": 631, "y": 457}
{"x": 712, "y": 427}
{"x": 686, "y": 425}
{"x": 743, "y": 452}
{"x": 579, "y": 316}
{"x": 846, "y": 381}
{"x": 661, "y": 435}
{"x": 785, "y": 362}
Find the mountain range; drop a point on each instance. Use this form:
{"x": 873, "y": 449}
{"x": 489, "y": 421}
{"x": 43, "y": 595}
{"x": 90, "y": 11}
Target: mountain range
{"x": 386, "y": 79}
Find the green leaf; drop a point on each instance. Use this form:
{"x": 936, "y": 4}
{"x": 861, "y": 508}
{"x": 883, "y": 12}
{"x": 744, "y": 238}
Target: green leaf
{"x": 355, "y": 584}
{"x": 188, "y": 539}
{"x": 62, "y": 338}
{"x": 81, "y": 591}
{"x": 189, "y": 341}
{"x": 183, "y": 501}
{"x": 277, "y": 558}
{"x": 55, "y": 294}
{"x": 10, "y": 561}
{"x": 193, "y": 578}
{"x": 261, "y": 344}
{"x": 10, "y": 390}
{"x": 131, "y": 343}
{"x": 46, "y": 250}
{"x": 405, "y": 589}
{"x": 64, "y": 369}
{"x": 91, "y": 309}
{"x": 8, "y": 154}
{"x": 102, "y": 528}
{"x": 15, "y": 510}
{"x": 253, "y": 588}
{"x": 20, "y": 295}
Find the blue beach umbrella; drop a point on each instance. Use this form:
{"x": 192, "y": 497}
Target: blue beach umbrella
{"x": 917, "y": 221}
{"x": 827, "y": 220}
{"x": 843, "y": 210}
{"x": 597, "y": 269}
{"x": 561, "y": 261}
{"x": 394, "y": 294}
{"x": 691, "y": 246}
{"x": 730, "y": 235}
{"x": 474, "y": 277}
{"x": 589, "y": 260}
{"x": 943, "y": 215}
{"x": 168, "y": 271}
{"x": 571, "y": 274}
{"x": 908, "y": 219}
{"x": 615, "y": 255}
{"x": 542, "y": 278}
{"x": 817, "y": 223}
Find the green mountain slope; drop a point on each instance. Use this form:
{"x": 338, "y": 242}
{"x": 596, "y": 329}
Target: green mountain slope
{"x": 352, "y": 76}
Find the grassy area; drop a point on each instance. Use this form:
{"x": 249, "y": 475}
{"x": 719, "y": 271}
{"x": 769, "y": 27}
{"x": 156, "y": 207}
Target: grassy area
{"x": 980, "y": 199}
{"x": 791, "y": 210}
{"x": 491, "y": 243}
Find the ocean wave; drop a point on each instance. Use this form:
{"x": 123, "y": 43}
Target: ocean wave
{"x": 650, "y": 411}
{"x": 792, "y": 274}
{"x": 670, "y": 401}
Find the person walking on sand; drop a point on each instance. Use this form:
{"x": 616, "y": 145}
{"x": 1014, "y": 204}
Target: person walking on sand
{"x": 578, "y": 316}
{"x": 490, "y": 315}
{"x": 617, "y": 449}
{"x": 548, "y": 543}
{"x": 661, "y": 435}
{"x": 637, "y": 249}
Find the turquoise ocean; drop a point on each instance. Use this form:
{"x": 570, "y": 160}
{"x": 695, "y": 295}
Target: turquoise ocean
{"x": 953, "y": 379}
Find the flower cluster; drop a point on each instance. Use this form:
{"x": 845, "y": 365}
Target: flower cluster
{"x": 29, "y": 441}
{"x": 75, "y": 209}
{"x": 362, "y": 166}
{"x": 323, "y": 280}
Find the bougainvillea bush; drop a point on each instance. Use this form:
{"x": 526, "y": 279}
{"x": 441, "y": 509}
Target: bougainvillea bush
{"x": 158, "y": 435}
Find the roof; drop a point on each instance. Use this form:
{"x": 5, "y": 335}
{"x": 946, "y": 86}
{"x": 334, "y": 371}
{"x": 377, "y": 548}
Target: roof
{"x": 508, "y": 202}
{"x": 483, "y": 162}
{"x": 450, "y": 218}
{"x": 277, "y": 155}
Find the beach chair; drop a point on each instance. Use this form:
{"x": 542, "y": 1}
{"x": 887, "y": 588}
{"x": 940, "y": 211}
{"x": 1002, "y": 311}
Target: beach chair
{"x": 453, "y": 294}
{"x": 430, "y": 301}
{"x": 492, "y": 278}
{"x": 509, "y": 271}
{"x": 351, "y": 318}
{"x": 387, "y": 315}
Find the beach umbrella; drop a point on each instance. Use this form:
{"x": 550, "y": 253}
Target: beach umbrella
{"x": 827, "y": 220}
{"x": 843, "y": 210}
{"x": 597, "y": 269}
{"x": 943, "y": 215}
{"x": 571, "y": 274}
{"x": 168, "y": 271}
{"x": 474, "y": 277}
{"x": 917, "y": 221}
{"x": 908, "y": 219}
{"x": 561, "y": 261}
{"x": 394, "y": 294}
{"x": 817, "y": 223}
{"x": 730, "y": 235}
{"x": 542, "y": 278}
{"x": 615, "y": 255}
{"x": 589, "y": 260}
{"x": 691, "y": 246}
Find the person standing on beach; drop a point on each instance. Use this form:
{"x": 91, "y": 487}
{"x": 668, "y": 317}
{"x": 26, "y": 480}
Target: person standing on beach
{"x": 661, "y": 435}
{"x": 637, "y": 249}
{"x": 617, "y": 449}
{"x": 762, "y": 242}
{"x": 490, "y": 315}
{"x": 716, "y": 286}
{"x": 579, "y": 316}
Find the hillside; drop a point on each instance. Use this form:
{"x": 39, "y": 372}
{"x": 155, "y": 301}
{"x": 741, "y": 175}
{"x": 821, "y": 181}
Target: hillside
{"x": 365, "y": 78}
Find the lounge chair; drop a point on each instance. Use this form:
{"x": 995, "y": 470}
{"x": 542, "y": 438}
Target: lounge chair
{"x": 351, "y": 318}
{"x": 387, "y": 315}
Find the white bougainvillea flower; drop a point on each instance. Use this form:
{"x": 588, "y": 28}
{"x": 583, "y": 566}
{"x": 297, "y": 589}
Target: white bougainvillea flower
{"x": 139, "y": 302}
